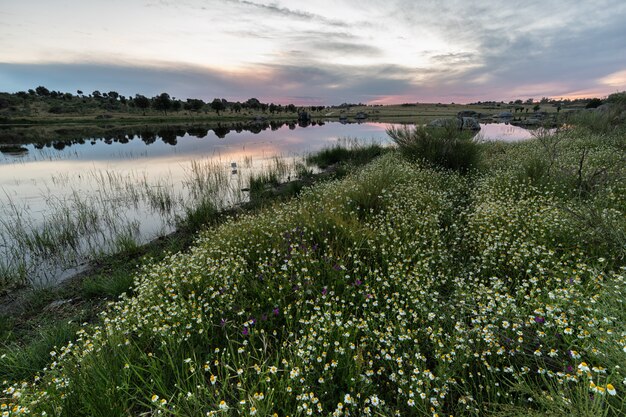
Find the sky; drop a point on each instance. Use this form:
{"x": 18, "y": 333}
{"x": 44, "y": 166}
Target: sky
{"x": 317, "y": 52}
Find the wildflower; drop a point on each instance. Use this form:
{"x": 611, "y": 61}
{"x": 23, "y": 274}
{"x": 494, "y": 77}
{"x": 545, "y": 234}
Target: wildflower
{"x": 610, "y": 389}
{"x": 155, "y": 398}
{"x": 583, "y": 367}
{"x": 213, "y": 379}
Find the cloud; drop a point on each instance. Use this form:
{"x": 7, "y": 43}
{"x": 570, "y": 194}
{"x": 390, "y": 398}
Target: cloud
{"x": 288, "y": 13}
{"x": 616, "y": 79}
{"x": 351, "y": 48}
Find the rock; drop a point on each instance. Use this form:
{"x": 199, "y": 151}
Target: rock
{"x": 446, "y": 122}
{"x": 603, "y": 108}
{"x": 360, "y": 116}
{"x": 468, "y": 113}
{"x": 505, "y": 115}
{"x": 469, "y": 123}
{"x": 461, "y": 123}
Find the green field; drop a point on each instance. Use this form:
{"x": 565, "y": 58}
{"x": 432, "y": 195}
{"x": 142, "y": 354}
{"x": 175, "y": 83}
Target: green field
{"x": 428, "y": 282}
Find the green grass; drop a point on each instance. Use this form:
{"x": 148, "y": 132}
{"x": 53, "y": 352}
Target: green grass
{"x": 406, "y": 288}
{"x": 353, "y": 154}
{"x": 447, "y": 147}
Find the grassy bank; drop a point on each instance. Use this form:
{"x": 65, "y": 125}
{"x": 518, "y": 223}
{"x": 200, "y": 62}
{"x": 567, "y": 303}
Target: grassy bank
{"x": 494, "y": 286}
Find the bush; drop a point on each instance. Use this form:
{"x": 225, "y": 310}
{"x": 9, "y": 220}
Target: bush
{"x": 447, "y": 146}
{"x": 617, "y": 98}
{"x": 593, "y": 103}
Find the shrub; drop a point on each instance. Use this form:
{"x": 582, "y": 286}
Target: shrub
{"x": 447, "y": 146}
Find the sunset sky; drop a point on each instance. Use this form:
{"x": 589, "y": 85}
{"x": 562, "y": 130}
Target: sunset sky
{"x": 317, "y": 51}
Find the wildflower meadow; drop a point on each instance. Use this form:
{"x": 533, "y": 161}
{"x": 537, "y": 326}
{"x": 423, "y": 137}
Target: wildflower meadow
{"x": 404, "y": 289}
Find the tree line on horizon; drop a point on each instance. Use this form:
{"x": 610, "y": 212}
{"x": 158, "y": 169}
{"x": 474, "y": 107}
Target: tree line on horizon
{"x": 24, "y": 103}
{"x": 64, "y": 102}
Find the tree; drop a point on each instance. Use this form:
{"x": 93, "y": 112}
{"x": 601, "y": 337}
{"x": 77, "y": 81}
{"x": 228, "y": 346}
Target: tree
{"x": 42, "y": 91}
{"x": 194, "y": 104}
{"x": 113, "y": 94}
{"x": 536, "y": 107}
{"x": 218, "y": 105}
{"x": 162, "y": 102}
{"x": 97, "y": 94}
{"x": 142, "y": 102}
{"x": 253, "y": 103}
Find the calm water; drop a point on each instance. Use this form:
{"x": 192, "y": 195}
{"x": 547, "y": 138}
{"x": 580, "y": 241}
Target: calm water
{"x": 136, "y": 187}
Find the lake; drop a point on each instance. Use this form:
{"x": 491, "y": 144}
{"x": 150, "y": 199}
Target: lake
{"x": 64, "y": 201}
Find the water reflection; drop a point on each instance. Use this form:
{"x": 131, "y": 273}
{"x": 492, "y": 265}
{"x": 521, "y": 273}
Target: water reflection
{"x": 504, "y": 132}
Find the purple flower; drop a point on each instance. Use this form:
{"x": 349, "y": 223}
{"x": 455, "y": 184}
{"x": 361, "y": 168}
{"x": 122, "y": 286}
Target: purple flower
{"x": 337, "y": 267}
{"x": 245, "y": 331}
{"x": 539, "y": 319}
{"x": 276, "y": 311}
{"x": 569, "y": 368}
{"x": 368, "y": 296}
{"x": 324, "y": 291}
{"x": 358, "y": 282}
{"x": 222, "y": 322}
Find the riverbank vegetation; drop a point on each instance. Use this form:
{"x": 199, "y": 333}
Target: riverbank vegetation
{"x": 410, "y": 287}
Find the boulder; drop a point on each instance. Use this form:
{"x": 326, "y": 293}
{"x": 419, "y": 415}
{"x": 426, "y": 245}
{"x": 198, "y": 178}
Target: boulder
{"x": 461, "y": 123}
{"x": 446, "y": 122}
{"x": 469, "y": 123}
{"x": 468, "y": 113}
{"x": 505, "y": 115}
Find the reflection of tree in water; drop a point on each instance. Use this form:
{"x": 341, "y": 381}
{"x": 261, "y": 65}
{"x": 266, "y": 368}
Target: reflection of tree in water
{"x": 221, "y": 131}
{"x": 198, "y": 131}
{"x": 147, "y": 136}
{"x": 168, "y": 135}
{"x": 121, "y": 138}
{"x": 64, "y": 137}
